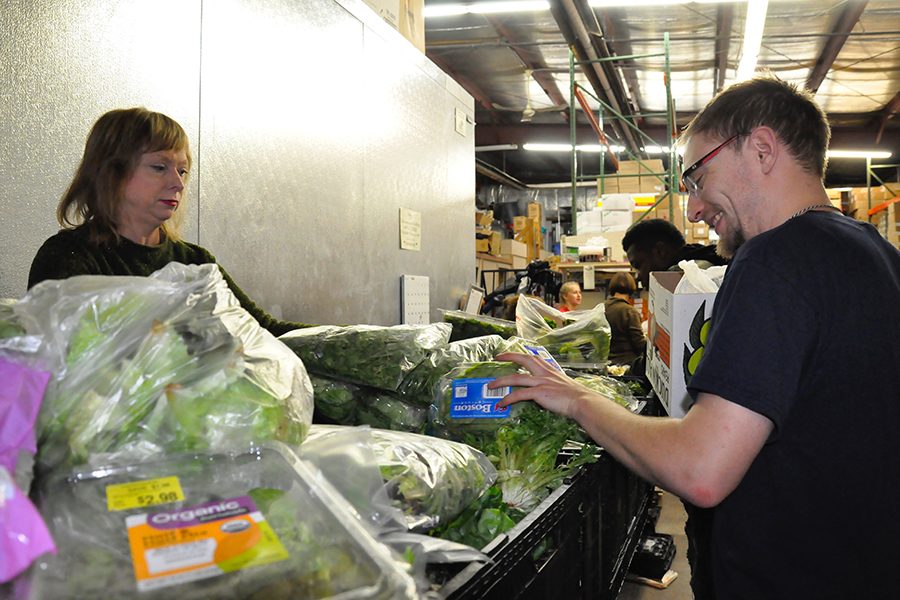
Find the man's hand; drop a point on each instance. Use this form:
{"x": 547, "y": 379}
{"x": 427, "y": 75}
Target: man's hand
{"x": 546, "y": 385}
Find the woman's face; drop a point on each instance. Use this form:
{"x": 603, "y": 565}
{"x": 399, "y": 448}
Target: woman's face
{"x": 153, "y": 192}
{"x": 572, "y": 298}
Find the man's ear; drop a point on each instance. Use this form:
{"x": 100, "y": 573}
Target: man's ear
{"x": 764, "y": 144}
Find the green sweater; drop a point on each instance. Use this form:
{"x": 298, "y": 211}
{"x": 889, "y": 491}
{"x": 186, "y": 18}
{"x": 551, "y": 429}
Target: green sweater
{"x": 70, "y": 253}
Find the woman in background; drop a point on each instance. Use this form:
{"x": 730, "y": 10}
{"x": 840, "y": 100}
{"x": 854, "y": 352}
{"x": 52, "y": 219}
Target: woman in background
{"x": 569, "y": 296}
{"x": 120, "y": 214}
{"x": 627, "y": 341}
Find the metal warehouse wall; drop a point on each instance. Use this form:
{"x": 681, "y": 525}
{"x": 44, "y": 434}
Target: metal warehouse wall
{"x": 312, "y": 123}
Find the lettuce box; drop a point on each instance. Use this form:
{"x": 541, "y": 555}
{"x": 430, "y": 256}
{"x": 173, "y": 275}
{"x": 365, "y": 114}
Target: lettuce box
{"x": 677, "y": 334}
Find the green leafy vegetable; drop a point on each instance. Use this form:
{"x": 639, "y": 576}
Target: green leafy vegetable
{"x": 466, "y": 325}
{"x": 335, "y": 400}
{"x": 433, "y": 480}
{"x": 614, "y": 389}
{"x": 481, "y": 521}
{"x": 367, "y": 354}
{"x": 9, "y": 323}
{"x": 388, "y": 411}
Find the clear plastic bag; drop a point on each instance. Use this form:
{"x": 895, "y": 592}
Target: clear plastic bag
{"x": 615, "y": 390}
{"x": 464, "y": 409}
{"x": 386, "y": 410}
{"x": 336, "y": 401}
{"x": 466, "y": 325}
{"x": 280, "y": 530}
{"x": 430, "y": 480}
{"x": 367, "y": 355}
{"x": 418, "y": 385}
{"x": 346, "y": 456}
{"x": 577, "y": 338}
{"x": 166, "y": 363}
{"x": 10, "y": 326}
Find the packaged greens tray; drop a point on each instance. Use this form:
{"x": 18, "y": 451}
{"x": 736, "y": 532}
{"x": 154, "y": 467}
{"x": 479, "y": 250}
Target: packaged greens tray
{"x": 261, "y": 524}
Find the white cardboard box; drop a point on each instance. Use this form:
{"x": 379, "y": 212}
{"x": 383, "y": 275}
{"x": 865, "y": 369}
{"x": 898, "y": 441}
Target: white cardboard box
{"x": 676, "y": 333}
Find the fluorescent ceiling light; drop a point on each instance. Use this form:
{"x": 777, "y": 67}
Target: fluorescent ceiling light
{"x": 858, "y": 154}
{"x": 753, "y": 31}
{"x": 485, "y": 8}
{"x": 568, "y": 148}
{"x": 496, "y": 147}
{"x": 656, "y": 149}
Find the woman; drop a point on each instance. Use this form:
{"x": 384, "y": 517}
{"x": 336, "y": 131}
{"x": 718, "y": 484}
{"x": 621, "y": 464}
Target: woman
{"x": 120, "y": 214}
{"x": 569, "y": 296}
{"x": 627, "y": 341}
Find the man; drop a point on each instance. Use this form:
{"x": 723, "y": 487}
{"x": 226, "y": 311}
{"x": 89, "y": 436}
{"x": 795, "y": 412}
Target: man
{"x": 657, "y": 245}
{"x": 793, "y": 433}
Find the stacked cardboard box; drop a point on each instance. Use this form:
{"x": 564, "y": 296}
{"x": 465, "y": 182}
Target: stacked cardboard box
{"x": 405, "y": 16}
{"x": 677, "y": 216}
{"x": 629, "y": 177}
{"x": 487, "y": 241}
{"x": 885, "y": 221}
{"x": 652, "y": 177}
{"x": 516, "y": 252}
{"x": 858, "y": 206}
{"x": 608, "y": 185}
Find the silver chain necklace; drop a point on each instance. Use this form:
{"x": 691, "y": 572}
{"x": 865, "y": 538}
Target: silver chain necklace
{"x": 812, "y": 207}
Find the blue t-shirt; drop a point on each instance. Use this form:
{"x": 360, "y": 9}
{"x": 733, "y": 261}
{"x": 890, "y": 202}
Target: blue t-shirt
{"x": 806, "y": 331}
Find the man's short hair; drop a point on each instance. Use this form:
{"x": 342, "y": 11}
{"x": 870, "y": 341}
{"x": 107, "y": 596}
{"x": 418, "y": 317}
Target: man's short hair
{"x": 766, "y": 100}
{"x": 647, "y": 232}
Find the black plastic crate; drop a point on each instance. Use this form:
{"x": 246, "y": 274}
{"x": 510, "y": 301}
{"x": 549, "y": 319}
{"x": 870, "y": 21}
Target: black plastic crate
{"x": 548, "y": 554}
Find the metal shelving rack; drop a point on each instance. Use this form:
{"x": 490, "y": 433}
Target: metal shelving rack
{"x": 577, "y": 93}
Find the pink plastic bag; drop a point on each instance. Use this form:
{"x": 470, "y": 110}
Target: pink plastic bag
{"x": 21, "y": 393}
{"x": 23, "y": 534}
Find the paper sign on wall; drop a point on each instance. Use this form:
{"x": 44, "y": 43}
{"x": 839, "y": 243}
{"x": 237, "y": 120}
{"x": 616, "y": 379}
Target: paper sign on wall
{"x": 410, "y": 229}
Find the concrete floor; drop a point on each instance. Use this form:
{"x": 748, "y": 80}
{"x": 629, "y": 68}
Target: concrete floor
{"x": 671, "y": 521}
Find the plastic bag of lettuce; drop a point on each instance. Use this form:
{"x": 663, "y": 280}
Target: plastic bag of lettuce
{"x": 255, "y": 524}
{"x": 577, "y": 338}
{"x": 150, "y": 365}
{"x": 523, "y": 440}
{"x": 369, "y": 355}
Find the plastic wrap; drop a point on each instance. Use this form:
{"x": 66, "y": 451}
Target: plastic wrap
{"x": 386, "y": 410}
{"x": 367, "y": 355}
{"x": 166, "y": 363}
{"x": 617, "y": 391}
{"x": 464, "y": 409}
{"x": 418, "y": 385}
{"x": 466, "y": 325}
{"x": 576, "y": 338}
{"x": 433, "y": 479}
{"x": 10, "y": 326}
{"x": 260, "y": 524}
{"x": 335, "y": 400}
{"x": 346, "y": 456}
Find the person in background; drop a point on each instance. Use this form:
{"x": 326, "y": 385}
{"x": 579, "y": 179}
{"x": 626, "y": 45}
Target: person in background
{"x": 569, "y": 296}
{"x": 792, "y": 436}
{"x": 657, "y": 245}
{"x": 627, "y": 340}
{"x": 120, "y": 215}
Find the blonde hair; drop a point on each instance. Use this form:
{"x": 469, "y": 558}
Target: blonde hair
{"x": 111, "y": 154}
{"x": 569, "y": 286}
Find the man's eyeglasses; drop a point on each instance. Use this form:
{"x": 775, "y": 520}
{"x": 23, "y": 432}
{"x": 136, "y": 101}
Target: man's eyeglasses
{"x": 687, "y": 178}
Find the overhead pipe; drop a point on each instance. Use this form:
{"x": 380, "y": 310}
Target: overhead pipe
{"x": 839, "y": 33}
{"x": 573, "y": 29}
